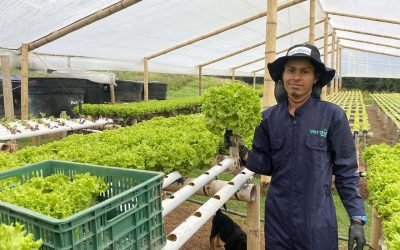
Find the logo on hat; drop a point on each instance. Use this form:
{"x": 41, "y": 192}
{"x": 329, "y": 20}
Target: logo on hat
{"x": 300, "y": 50}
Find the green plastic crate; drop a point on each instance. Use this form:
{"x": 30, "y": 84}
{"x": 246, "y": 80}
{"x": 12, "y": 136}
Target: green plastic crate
{"x": 128, "y": 215}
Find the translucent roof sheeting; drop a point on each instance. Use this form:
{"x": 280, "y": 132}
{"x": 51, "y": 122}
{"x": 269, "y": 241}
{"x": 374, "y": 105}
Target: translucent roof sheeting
{"x": 122, "y": 40}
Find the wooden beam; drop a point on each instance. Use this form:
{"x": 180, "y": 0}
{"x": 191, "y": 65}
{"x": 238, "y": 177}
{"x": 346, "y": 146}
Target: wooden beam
{"x": 337, "y": 67}
{"x": 257, "y": 70}
{"x": 370, "y": 51}
{"x": 312, "y": 22}
{"x": 232, "y": 54}
{"x": 253, "y": 221}
{"x": 100, "y": 14}
{"x": 254, "y": 80}
{"x": 262, "y": 58}
{"x": 250, "y": 62}
{"x": 24, "y": 81}
{"x": 376, "y": 229}
{"x": 332, "y": 90}
{"x": 326, "y": 28}
{"x": 270, "y": 54}
{"x": 255, "y": 45}
{"x": 369, "y": 42}
{"x": 220, "y": 30}
{"x": 7, "y": 88}
{"x": 270, "y": 51}
{"x": 340, "y": 67}
{"x": 200, "y": 79}
{"x": 112, "y": 93}
{"x": 368, "y": 33}
{"x": 364, "y": 17}
{"x": 146, "y": 79}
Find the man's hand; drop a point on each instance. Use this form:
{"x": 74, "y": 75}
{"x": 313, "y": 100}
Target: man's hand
{"x": 228, "y": 143}
{"x": 356, "y": 233}
{"x": 227, "y": 139}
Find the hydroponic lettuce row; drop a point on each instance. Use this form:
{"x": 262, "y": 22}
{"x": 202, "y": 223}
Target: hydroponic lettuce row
{"x": 162, "y": 144}
{"x": 130, "y": 110}
{"x": 57, "y": 195}
{"x": 384, "y": 188}
{"x": 232, "y": 106}
{"x": 15, "y": 238}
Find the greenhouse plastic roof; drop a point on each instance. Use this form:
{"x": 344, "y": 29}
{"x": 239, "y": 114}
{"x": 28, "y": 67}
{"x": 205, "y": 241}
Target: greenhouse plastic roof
{"x": 122, "y": 40}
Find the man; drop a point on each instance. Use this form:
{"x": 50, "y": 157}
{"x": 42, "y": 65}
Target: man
{"x": 301, "y": 142}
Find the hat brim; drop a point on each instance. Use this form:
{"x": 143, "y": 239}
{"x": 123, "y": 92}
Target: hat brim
{"x": 276, "y": 69}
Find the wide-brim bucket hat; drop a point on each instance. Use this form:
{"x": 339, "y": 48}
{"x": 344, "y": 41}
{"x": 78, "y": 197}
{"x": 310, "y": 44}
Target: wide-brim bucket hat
{"x": 306, "y": 51}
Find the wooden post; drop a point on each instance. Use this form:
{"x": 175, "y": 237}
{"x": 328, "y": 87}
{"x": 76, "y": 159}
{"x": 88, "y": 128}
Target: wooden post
{"x": 112, "y": 93}
{"x": 200, "y": 79}
{"x": 357, "y": 144}
{"x": 376, "y": 229}
{"x": 146, "y": 80}
{"x": 254, "y": 80}
{"x": 332, "y": 90}
{"x": 233, "y": 74}
{"x": 36, "y": 140}
{"x": 7, "y": 88}
{"x": 340, "y": 67}
{"x": 270, "y": 54}
{"x": 24, "y": 81}
{"x": 337, "y": 67}
{"x": 253, "y": 221}
{"x": 326, "y": 27}
{"x": 312, "y": 22}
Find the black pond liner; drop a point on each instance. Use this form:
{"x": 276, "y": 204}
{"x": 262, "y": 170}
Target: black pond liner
{"x": 157, "y": 90}
{"x": 128, "y": 91}
{"x": 96, "y": 93}
{"x": 54, "y": 95}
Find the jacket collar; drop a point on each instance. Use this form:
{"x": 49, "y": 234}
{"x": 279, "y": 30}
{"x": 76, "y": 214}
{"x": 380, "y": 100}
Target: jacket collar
{"x": 300, "y": 110}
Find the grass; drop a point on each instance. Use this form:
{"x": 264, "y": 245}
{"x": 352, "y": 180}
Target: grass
{"x": 368, "y": 100}
{"x": 341, "y": 214}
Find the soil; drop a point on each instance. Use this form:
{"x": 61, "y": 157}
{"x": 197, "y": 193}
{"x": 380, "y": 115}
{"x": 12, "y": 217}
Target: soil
{"x": 200, "y": 240}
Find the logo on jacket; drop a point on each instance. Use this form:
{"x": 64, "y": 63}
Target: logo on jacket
{"x": 322, "y": 132}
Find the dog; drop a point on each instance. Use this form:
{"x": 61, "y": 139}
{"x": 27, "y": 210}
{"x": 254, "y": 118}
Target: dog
{"x": 225, "y": 229}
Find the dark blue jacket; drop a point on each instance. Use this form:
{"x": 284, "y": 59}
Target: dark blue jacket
{"x": 301, "y": 153}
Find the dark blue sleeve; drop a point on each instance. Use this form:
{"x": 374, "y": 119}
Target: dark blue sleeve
{"x": 259, "y": 158}
{"x": 345, "y": 165}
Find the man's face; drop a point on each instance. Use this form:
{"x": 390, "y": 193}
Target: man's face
{"x": 298, "y": 77}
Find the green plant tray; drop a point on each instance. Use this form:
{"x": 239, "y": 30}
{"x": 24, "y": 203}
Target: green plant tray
{"x": 127, "y": 216}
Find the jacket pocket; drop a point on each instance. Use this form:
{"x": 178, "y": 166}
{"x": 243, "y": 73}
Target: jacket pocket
{"x": 317, "y": 152}
{"x": 316, "y": 142}
{"x": 278, "y": 154}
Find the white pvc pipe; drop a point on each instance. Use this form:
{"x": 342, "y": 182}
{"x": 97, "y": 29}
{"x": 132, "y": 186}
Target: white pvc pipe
{"x": 6, "y": 135}
{"x": 170, "y": 178}
{"x": 191, "y": 225}
{"x": 184, "y": 193}
{"x": 246, "y": 193}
